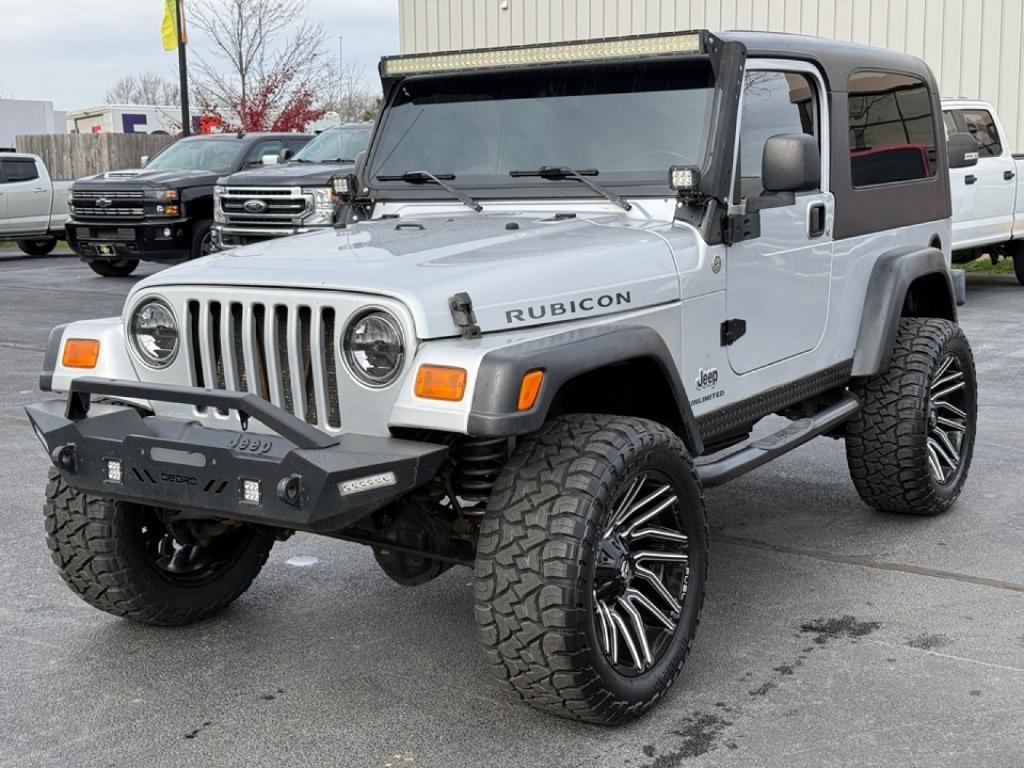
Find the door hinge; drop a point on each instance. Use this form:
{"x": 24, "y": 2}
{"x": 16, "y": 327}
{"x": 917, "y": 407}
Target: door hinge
{"x": 461, "y": 307}
{"x": 733, "y": 330}
{"x": 738, "y": 227}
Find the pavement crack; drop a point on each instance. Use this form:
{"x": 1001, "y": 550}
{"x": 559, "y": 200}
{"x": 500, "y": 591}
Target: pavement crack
{"x": 866, "y": 561}
{"x": 950, "y": 656}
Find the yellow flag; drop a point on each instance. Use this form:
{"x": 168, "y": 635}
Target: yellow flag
{"x": 169, "y": 30}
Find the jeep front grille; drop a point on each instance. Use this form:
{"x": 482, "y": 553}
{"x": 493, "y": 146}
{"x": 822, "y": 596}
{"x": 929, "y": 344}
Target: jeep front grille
{"x": 282, "y": 353}
{"x": 282, "y": 207}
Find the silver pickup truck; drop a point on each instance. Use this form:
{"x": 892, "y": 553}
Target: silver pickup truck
{"x": 33, "y": 208}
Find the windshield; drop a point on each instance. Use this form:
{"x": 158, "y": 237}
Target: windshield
{"x": 334, "y": 144}
{"x": 630, "y": 122}
{"x": 215, "y": 155}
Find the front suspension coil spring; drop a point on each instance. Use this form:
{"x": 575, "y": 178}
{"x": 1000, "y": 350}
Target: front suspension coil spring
{"x": 477, "y": 466}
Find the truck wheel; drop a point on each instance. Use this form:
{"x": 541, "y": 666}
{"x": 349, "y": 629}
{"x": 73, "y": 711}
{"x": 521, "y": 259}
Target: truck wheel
{"x": 40, "y": 247}
{"x": 1018, "y": 261}
{"x": 120, "y": 268}
{"x": 202, "y": 240}
{"x": 122, "y": 559}
{"x": 590, "y": 569}
{"x": 909, "y": 449}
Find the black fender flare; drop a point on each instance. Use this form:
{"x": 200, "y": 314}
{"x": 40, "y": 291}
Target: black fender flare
{"x": 893, "y": 274}
{"x": 562, "y": 357}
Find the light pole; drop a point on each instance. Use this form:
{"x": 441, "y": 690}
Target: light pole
{"x": 341, "y": 69}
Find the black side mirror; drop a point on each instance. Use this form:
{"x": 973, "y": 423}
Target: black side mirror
{"x": 961, "y": 150}
{"x": 360, "y": 163}
{"x": 791, "y": 163}
{"x": 285, "y": 155}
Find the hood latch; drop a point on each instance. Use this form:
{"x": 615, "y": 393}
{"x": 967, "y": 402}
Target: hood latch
{"x": 463, "y": 316}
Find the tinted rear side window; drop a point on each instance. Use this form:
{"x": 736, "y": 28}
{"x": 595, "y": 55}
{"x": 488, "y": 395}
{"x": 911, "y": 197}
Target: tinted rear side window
{"x": 20, "y": 170}
{"x": 892, "y": 131}
{"x": 982, "y": 127}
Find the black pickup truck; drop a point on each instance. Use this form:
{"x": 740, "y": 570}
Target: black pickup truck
{"x": 280, "y": 200}
{"x": 163, "y": 211}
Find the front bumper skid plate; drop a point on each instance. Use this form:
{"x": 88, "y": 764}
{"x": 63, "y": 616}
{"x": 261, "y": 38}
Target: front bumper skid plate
{"x": 305, "y": 479}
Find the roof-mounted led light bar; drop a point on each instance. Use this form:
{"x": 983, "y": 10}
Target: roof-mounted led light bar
{"x": 559, "y": 53}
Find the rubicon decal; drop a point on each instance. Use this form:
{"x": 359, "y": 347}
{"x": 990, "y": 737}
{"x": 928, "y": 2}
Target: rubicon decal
{"x": 569, "y": 307}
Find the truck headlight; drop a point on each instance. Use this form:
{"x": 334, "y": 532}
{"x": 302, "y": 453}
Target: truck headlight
{"x": 154, "y": 333}
{"x": 218, "y": 207}
{"x": 162, "y": 195}
{"x": 373, "y": 348}
{"x": 323, "y": 207}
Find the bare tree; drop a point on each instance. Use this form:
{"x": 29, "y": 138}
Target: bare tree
{"x": 351, "y": 96}
{"x": 266, "y": 57}
{"x": 145, "y": 88}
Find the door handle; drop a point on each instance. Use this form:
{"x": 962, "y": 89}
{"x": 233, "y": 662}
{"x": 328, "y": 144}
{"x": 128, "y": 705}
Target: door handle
{"x": 1008, "y": 175}
{"x": 816, "y": 220}
{"x": 970, "y": 178}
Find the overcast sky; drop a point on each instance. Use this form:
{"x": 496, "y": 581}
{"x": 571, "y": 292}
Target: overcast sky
{"x": 71, "y": 51}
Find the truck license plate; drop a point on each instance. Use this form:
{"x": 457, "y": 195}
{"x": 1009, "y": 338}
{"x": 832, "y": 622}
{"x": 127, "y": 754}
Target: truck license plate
{"x": 105, "y": 250}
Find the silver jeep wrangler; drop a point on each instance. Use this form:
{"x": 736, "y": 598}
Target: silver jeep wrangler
{"x": 567, "y": 282}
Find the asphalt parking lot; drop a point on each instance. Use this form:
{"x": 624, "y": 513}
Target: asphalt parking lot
{"x": 832, "y": 635}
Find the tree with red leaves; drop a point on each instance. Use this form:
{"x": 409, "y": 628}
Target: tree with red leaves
{"x": 267, "y": 70}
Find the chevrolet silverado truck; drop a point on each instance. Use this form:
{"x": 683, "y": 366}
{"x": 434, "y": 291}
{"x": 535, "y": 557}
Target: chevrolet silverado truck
{"x": 579, "y": 277}
{"x": 987, "y": 190}
{"x": 163, "y": 211}
{"x": 33, "y": 208}
{"x": 296, "y": 196}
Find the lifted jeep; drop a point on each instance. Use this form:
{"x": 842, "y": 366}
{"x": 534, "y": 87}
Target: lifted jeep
{"x": 566, "y": 274}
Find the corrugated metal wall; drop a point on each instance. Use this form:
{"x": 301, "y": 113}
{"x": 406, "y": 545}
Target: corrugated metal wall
{"x": 975, "y": 47}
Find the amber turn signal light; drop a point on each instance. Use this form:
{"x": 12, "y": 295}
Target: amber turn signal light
{"x": 529, "y": 389}
{"x": 81, "y": 353}
{"x": 441, "y": 382}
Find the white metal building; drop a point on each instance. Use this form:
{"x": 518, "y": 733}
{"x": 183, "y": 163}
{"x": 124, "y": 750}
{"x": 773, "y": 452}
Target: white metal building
{"x": 975, "y": 47}
{"x": 20, "y": 116}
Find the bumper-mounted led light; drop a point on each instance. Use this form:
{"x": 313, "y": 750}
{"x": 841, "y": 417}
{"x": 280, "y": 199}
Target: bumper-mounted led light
{"x": 250, "y": 492}
{"x": 115, "y": 472}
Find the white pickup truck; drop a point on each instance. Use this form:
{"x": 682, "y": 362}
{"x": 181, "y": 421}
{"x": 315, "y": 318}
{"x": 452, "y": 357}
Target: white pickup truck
{"x": 988, "y": 197}
{"x": 33, "y": 208}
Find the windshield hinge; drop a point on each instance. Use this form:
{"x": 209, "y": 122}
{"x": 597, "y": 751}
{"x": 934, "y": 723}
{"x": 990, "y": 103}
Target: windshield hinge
{"x": 463, "y": 316}
{"x": 732, "y": 331}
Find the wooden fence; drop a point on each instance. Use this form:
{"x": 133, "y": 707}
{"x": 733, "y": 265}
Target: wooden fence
{"x": 71, "y": 156}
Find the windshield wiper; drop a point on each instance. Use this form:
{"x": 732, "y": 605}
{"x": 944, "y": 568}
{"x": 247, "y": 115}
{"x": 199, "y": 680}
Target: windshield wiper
{"x": 562, "y": 172}
{"x": 419, "y": 177}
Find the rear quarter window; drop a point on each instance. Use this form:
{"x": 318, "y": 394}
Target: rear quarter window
{"x": 892, "y": 129}
{"x": 982, "y": 127}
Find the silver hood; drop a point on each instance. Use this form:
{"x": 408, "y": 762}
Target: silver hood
{"x": 520, "y": 270}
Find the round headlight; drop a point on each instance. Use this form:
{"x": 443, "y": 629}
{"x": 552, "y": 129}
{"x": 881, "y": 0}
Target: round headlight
{"x": 154, "y": 333}
{"x": 374, "y": 348}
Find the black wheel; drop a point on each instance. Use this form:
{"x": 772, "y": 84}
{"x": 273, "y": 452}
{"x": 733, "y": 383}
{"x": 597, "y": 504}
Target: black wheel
{"x": 40, "y": 247}
{"x": 120, "y": 268}
{"x": 909, "y": 450}
{"x": 202, "y": 240}
{"x": 591, "y": 565}
{"x": 1018, "y": 260}
{"x": 123, "y": 559}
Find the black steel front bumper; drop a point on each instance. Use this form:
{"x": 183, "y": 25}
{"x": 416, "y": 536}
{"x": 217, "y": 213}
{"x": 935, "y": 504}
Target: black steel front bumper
{"x": 169, "y": 240}
{"x": 308, "y": 480}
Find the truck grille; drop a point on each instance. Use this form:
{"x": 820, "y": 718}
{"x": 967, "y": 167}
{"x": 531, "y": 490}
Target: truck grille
{"x": 282, "y": 207}
{"x": 116, "y": 204}
{"x": 284, "y": 354}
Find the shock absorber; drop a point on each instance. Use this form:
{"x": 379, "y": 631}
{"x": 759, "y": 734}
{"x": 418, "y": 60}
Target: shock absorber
{"x": 478, "y": 463}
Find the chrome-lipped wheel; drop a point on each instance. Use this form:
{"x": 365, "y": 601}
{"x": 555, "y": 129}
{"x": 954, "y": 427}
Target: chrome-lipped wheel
{"x": 947, "y": 419}
{"x": 641, "y": 575}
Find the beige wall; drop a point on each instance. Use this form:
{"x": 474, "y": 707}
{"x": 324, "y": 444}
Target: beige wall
{"x": 975, "y": 47}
